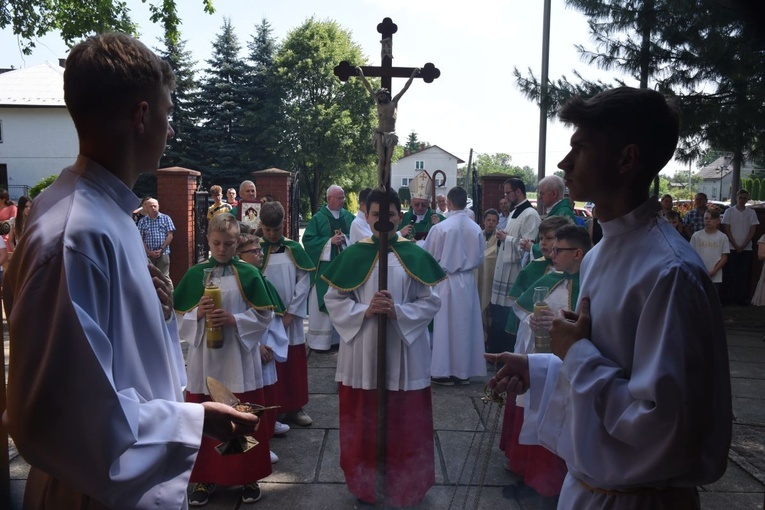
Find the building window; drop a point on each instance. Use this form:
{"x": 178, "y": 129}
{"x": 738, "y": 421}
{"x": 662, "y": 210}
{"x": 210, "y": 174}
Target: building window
{"x": 419, "y": 165}
{"x": 1, "y": 130}
{"x": 405, "y": 181}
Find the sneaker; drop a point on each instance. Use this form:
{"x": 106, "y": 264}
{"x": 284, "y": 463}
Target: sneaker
{"x": 274, "y": 457}
{"x": 200, "y": 494}
{"x": 463, "y": 382}
{"x": 280, "y": 428}
{"x": 443, "y": 381}
{"x": 251, "y": 493}
{"x": 300, "y": 417}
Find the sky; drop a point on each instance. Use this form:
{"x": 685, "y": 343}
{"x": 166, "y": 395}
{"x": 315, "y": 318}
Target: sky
{"x": 475, "y": 104}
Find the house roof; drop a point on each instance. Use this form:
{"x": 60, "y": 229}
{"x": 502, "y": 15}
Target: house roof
{"x": 432, "y": 147}
{"x": 722, "y": 166}
{"x": 40, "y": 85}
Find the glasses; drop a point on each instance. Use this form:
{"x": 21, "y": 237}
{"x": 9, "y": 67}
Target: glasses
{"x": 555, "y": 251}
{"x": 508, "y": 192}
{"x": 254, "y": 250}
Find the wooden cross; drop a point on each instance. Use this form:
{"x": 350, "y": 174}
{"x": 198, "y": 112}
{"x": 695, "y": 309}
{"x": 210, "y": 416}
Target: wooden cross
{"x": 386, "y": 72}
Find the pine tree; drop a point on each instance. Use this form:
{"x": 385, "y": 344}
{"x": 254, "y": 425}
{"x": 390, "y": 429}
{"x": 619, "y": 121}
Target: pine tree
{"x": 182, "y": 149}
{"x": 222, "y": 107}
{"x": 263, "y": 100}
{"x": 412, "y": 143}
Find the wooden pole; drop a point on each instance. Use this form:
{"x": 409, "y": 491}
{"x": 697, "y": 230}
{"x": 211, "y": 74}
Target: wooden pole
{"x": 384, "y": 226}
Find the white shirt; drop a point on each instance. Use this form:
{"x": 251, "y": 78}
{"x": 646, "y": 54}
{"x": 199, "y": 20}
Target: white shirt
{"x": 739, "y": 223}
{"x": 293, "y": 285}
{"x": 711, "y": 248}
{"x": 89, "y": 340}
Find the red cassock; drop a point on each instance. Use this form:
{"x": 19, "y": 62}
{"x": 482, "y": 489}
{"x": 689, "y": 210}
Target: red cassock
{"x": 293, "y": 379}
{"x": 235, "y": 469}
{"x": 410, "y": 465}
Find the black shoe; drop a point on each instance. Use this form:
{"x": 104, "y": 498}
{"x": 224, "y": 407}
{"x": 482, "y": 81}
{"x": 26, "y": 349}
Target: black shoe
{"x": 463, "y": 382}
{"x": 200, "y": 494}
{"x": 251, "y": 493}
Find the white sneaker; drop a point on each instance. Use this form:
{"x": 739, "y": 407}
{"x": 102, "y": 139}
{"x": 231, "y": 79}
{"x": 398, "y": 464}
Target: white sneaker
{"x": 281, "y": 428}
{"x": 274, "y": 458}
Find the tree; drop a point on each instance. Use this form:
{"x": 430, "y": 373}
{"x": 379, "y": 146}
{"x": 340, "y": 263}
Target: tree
{"x": 75, "y": 19}
{"x": 182, "y": 149}
{"x": 500, "y": 163}
{"x": 263, "y": 100}
{"x": 326, "y": 125}
{"x": 222, "y": 106}
{"x": 412, "y": 143}
{"x": 679, "y": 47}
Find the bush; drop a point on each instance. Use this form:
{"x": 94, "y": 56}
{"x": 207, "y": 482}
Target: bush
{"x": 40, "y": 186}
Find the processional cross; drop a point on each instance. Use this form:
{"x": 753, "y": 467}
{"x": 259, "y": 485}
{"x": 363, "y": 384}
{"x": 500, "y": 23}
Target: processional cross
{"x": 385, "y": 146}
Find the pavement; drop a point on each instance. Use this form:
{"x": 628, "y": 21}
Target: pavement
{"x": 469, "y": 474}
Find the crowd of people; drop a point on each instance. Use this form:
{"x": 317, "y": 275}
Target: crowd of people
{"x": 607, "y": 338}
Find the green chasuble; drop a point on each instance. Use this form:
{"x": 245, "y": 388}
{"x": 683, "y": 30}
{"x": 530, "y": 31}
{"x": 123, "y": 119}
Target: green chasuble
{"x": 297, "y": 253}
{"x": 562, "y": 208}
{"x": 422, "y": 228}
{"x": 551, "y": 280}
{"x": 256, "y": 291}
{"x": 352, "y": 268}
{"x": 321, "y": 227}
{"x": 528, "y": 275}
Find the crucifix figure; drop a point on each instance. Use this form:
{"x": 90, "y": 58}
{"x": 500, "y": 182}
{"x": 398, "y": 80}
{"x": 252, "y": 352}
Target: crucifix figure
{"x": 386, "y": 111}
{"x": 384, "y": 138}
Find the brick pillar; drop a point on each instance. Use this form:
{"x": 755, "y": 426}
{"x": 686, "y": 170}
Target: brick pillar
{"x": 276, "y": 182}
{"x": 493, "y": 191}
{"x": 175, "y": 193}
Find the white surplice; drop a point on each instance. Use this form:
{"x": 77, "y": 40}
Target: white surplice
{"x": 408, "y": 347}
{"x": 293, "y": 285}
{"x": 509, "y": 254}
{"x": 458, "y": 245}
{"x": 95, "y": 390}
{"x": 645, "y": 401}
{"x": 359, "y": 228}
{"x": 236, "y": 364}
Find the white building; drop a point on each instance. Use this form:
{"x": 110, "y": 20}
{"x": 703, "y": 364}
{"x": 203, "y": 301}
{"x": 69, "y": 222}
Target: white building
{"x": 717, "y": 177}
{"x": 37, "y": 136}
{"x": 429, "y": 159}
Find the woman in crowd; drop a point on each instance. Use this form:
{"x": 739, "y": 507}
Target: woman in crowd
{"x": 25, "y": 204}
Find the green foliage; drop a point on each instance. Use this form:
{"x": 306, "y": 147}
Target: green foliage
{"x": 182, "y": 150}
{"x": 500, "y": 163}
{"x": 41, "y": 185}
{"x": 756, "y": 189}
{"x": 75, "y": 19}
{"x": 263, "y": 101}
{"x": 222, "y": 103}
{"x": 404, "y": 194}
{"x": 352, "y": 201}
{"x": 412, "y": 143}
{"x": 325, "y": 124}
{"x": 679, "y": 48}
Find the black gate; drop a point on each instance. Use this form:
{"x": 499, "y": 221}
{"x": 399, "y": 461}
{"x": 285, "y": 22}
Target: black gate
{"x": 201, "y": 251}
{"x": 294, "y": 206}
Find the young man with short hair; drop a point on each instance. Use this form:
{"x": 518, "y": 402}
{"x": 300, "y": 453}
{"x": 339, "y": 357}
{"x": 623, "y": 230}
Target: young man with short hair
{"x": 101, "y": 417}
{"x": 636, "y": 396}
{"x": 739, "y": 223}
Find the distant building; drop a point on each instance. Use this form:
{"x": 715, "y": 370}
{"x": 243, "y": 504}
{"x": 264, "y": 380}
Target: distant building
{"x": 429, "y": 159}
{"x": 37, "y": 136}
{"x": 717, "y": 177}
